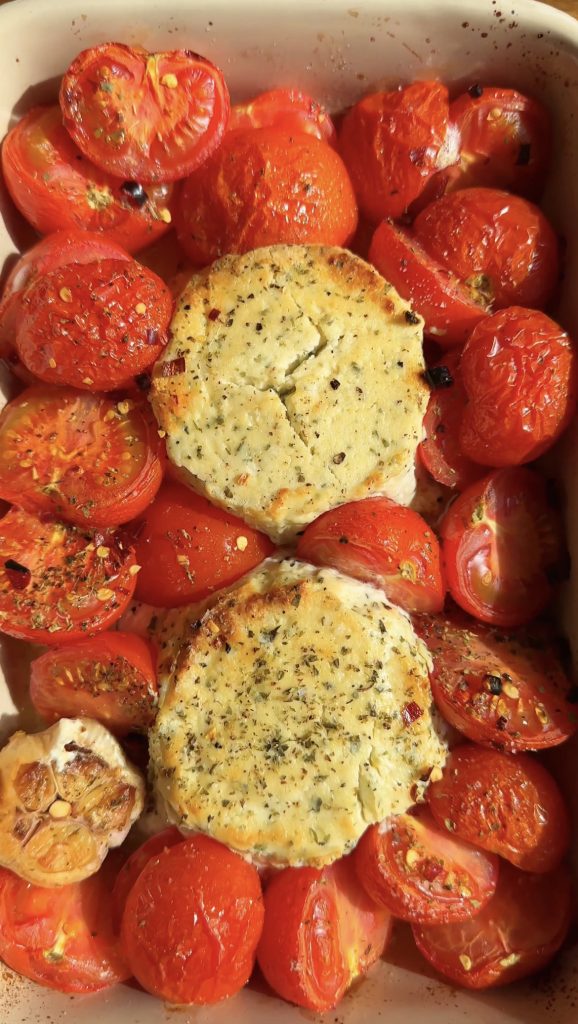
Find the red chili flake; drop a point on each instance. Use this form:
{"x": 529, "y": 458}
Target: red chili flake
{"x": 152, "y": 336}
{"x": 214, "y": 314}
{"x": 430, "y": 869}
{"x": 411, "y": 712}
{"x": 18, "y": 575}
{"x": 173, "y": 367}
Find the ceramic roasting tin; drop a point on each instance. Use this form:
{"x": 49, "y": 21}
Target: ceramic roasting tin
{"x": 336, "y": 50}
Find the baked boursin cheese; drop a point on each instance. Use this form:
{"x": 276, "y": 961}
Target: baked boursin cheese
{"x": 292, "y": 383}
{"x": 293, "y": 714}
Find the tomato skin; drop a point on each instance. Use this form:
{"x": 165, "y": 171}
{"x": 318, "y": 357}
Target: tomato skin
{"x": 501, "y": 540}
{"x": 53, "y": 595}
{"x": 434, "y": 292}
{"x": 440, "y": 451}
{"x": 288, "y": 109}
{"x": 56, "y": 188}
{"x": 110, "y": 678}
{"x": 520, "y": 373}
{"x": 74, "y": 921}
{"x": 505, "y": 692}
{"x": 321, "y": 931}
{"x": 505, "y": 141}
{"x": 392, "y": 144}
{"x": 499, "y": 245}
{"x": 88, "y": 459}
{"x": 182, "y": 524}
{"x": 383, "y": 543}
{"x": 150, "y": 117}
{"x": 192, "y": 922}
{"x": 517, "y": 933}
{"x": 509, "y": 805}
{"x": 427, "y": 889}
{"x": 133, "y": 867}
{"x": 262, "y": 187}
{"x": 94, "y": 326}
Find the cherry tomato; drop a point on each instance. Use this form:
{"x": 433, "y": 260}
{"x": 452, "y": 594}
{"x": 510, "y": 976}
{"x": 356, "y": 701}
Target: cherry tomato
{"x": 440, "y": 450}
{"x": 507, "y": 692}
{"x": 504, "y": 141}
{"x": 86, "y": 458}
{"x": 110, "y": 678}
{"x": 54, "y": 583}
{"x": 501, "y": 546}
{"x": 520, "y": 373}
{"x": 321, "y": 932}
{"x": 392, "y": 143}
{"x": 517, "y": 933}
{"x": 509, "y": 805}
{"x": 144, "y": 116}
{"x": 421, "y": 874}
{"x": 192, "y": 922}
{"x": 262, "y": 187}
{"x": 63, "y": 937}
{"x": 200, "y": 547}
{"x": 501, "y": 247}
{"x": 288, "y": 109}
{"x": 93, "y": 326}
{"x": 383, "y": 543}
{"x": 56, "y": 187}
{"x": 133, "y": 867}
{"x": 434, "y": 292}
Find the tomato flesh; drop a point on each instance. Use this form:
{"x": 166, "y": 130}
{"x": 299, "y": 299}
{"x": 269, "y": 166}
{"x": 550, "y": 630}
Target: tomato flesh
{"x": 440, "y": 450}
{"x": 289, "y": 109}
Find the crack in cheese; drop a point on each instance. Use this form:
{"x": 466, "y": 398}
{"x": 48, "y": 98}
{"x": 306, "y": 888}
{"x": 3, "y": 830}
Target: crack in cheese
{"x": 283, "y": 728}
{"x": 292, "y": 383}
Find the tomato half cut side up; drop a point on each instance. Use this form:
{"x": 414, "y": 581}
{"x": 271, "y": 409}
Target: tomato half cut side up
{"x": 440, "y": 450}
{"x": 420, "y": 873}
{"x": 133, "y": 867}
{"x": 383, "y": 543}
{"x": 502, "y": 544}
{"x": 150, "y": 117}
{"x": 110, "y": 678}
{"x": 321, "y": 931}
{"x": 516, "y": 934}
{"x": 86, "y": 458}
{"x": 434, "y": 292}
{"x": 54, "y": 584}
{"x": 288, "y": 109}
{"x": 508, "y": 805}
{"x": 61, "y": 937}
{"x": 509, "y": 692}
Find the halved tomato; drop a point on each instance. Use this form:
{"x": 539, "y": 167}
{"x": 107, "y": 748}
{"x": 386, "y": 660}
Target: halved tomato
{"x": 143, "y": 116}
{"x": 440, "y": 450}
{"x": 110, "y": 678}
{"x": 508, "y": 692}
{"x": 58, "y": 582}
{"x": 289, "y": 109}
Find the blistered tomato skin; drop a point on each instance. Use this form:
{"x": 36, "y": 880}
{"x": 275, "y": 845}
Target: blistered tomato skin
{"x": 289, "y": 109}
{"x": 440, "y": 450}
{"x": 520, "y": 373}
{"x": 500, "y": 246}
{"x": 392, "y": 143}
{"x": 262, "y": 187}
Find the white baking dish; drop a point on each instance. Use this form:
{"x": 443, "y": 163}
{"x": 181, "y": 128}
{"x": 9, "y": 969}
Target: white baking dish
{"x": 336, "y": 49}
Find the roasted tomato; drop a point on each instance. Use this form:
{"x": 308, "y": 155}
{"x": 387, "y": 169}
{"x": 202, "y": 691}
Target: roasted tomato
{"x": 86, "y": 458}
{"x": 392, "y": 143}
{"x": 264, "y": 186}
{"x": 501, "y": 247}
{"x": 504, "y": 141}
{"x": 200, "y": 547}
{"x": 290, "y": 110}
{"x": 95, "y": 325}
{"x": 56, "y": 187}
{"x": 507, "y": 692}
{"x": 58, "y": 582}
{"x": 504, "y": 804}
{"x": 62, "y": 938}
{"x": 517, "y": 933}
{"x": 520, "y": 373}
{"x": 434, "y": 292}
{"x": 143, "y": 116}
{"x": 502, "y": 545}
{"x": 321, "y": 932}
{"x": 192, "y": 921}
{"x": 381, "y": 542}
{"x": 110, "y": 678}
{"x": 134, "y": 866}
{"x": 411, "y": 866}
{"x": 440, "y": 450}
